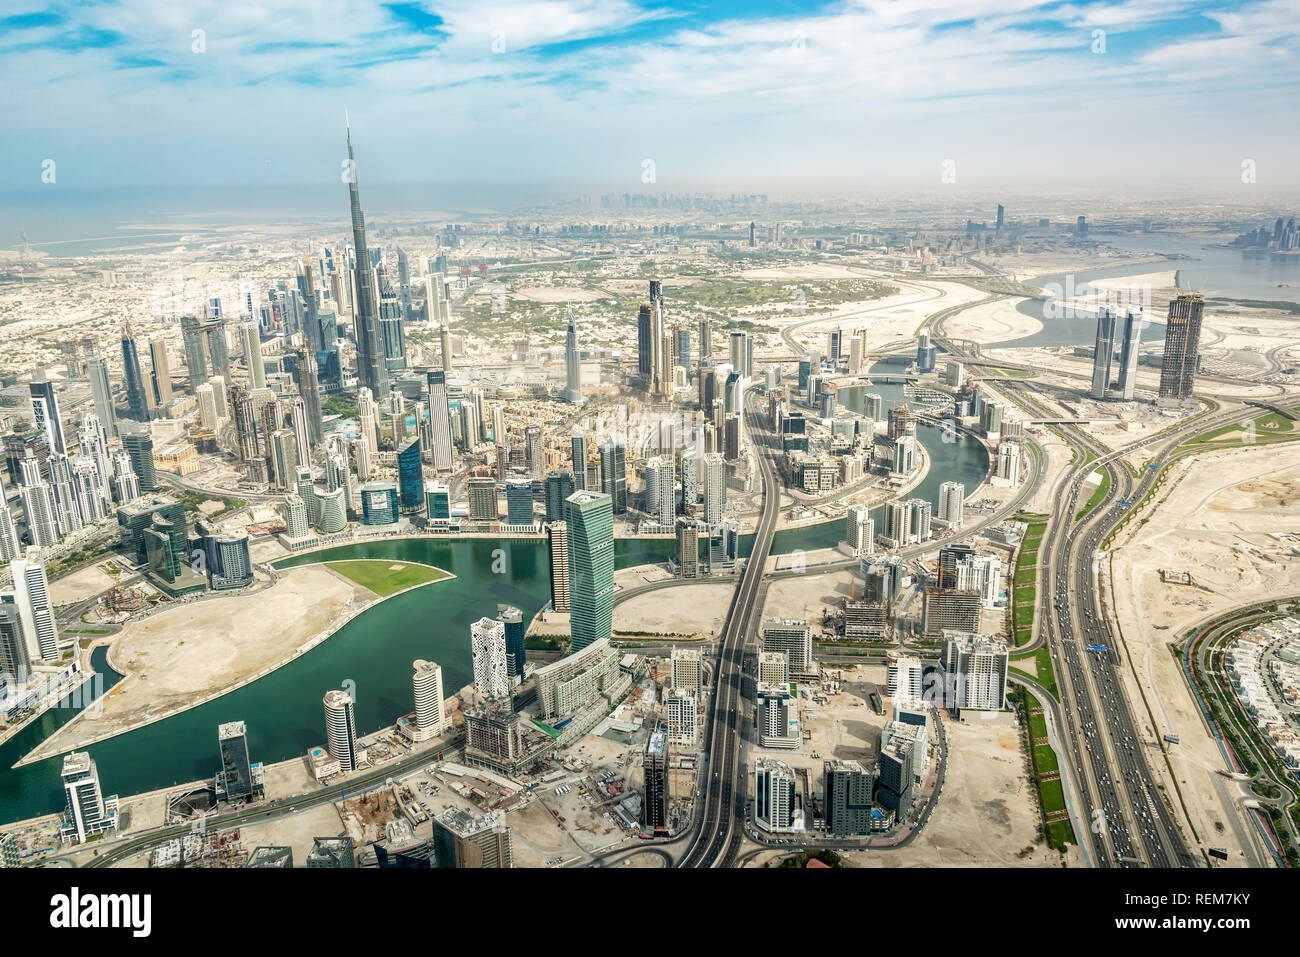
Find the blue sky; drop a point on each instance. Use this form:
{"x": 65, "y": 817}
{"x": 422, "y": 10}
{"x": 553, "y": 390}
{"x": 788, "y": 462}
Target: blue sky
{"x": 818, "y": 97}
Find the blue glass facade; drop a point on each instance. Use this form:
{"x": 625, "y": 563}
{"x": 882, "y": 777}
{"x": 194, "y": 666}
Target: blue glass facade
{"x": 410, "y": 477}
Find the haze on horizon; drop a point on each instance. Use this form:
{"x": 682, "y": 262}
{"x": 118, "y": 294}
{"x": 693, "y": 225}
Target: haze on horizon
{"x": 815, "y": 99}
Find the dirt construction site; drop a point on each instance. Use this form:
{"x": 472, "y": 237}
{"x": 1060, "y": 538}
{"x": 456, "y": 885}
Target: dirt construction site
{"x": 1220, "y": 533}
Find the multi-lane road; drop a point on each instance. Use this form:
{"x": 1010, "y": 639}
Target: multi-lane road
{"x": 717, "y": 833}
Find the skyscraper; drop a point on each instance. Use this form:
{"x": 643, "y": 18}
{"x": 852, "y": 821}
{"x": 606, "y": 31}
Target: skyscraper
{"x": 102, "y": 392}
{"x": 488, "y": 649}
{"x": 341, "y": 730}
{"x": 715, "y": 488}
{"x": 410, "y": 477}
{"x": 572, "y": 366}
{"x": 45, "y": 412}
{"x": 613, "y": 472}
{"x": 513, "y": 620}
{"x": 35, "y": 609}
{"x": 426, "y": 682}
{"x": 1104, "y": 353}
{"x": 1182, "y": 343}
{"x": 160, "y": 375}
{"x": 252, "y": 345}
{"x": 236, "y": 776}
{"x": 440, "y": 422}
{"x": 88, "y": 812}
{"x": 578, "y": 456}
{"x": 557, "y": 538}
{"x": 952, "y": 498}
{"x": 590, "y": 520}
{"x": 196, "y": 355}
{"x": 1128, "y": 356}
{"x": 558, "y": 486}
{"x": 372, "y": 373}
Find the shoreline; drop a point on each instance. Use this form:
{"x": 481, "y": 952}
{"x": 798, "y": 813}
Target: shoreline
{"x": 45, "y": 750}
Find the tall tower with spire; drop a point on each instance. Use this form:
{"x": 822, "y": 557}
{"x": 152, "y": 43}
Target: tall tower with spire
{"x": 372, "y": 373}
{"x": 572, "y": 367}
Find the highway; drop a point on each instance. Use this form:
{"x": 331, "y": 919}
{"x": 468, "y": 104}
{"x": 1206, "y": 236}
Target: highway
{"x": 1109, "y": 755}
{"x": 717, "y": 832}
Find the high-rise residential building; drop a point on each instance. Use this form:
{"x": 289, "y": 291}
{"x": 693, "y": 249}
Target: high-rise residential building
{"x": 235, "y": 779}
{"x": 445, "y": 336}
{"x": 613, "y": 473}
{"x": 950, "y": 609}
{"x": 196, "y": 353}
{"x": 578, "y": 456}
{"x": 683, "y": 717}
{"x": 341, "y": 730}
{"x": 686, "y": 671}
{"x": 519, "y": 502}
{"x": 688, "y": 547}
{"x": 654, "y": 810}
{"x": 773, "y": 668}
{"x": 45, "y": 412}
{"x": 441, "y": 451}
{"x": 309, "y": 388}
{"x": 138, "y": 444}
{"x": 372, "y": 371}
{"x": 742, "y": 354}
{"x": 660, "y": 489}
{"x": 1128, "y": 355}
{"x": 572, "y": 365}
{"x": 1008, "y": 465}
{"x": 513, "y": 621}
{"x": 557, "y": 539}
{"x": 482, "y": 493}
{"x": 488, "y": 649}
{"x": 88, "y": 811}
{"x": 776, "y": 797}
{"x": 251, "y": 342}
{"x": 214, "y": 330}
{"x": 557, "y": 487}
{"x": 1182, "y": 345}
{"x": 15, "y": 663}
{"x": 101, "y": 392}
{"x": 792, "y": 636}
{"x": 1104, "y": 353}
{"x": 952, "y": 500}
{"x": 35, "y": 608}
{"x": 466, "y": 840}
{"x": 847, "y": 801}
{"x": 10, "y": 548}
{"x": 590, "y": 520}
{"x": 137, "y": 398}
{"x": 428, "y": 719}
{"x": 715, "y": 488}
{"x": 860, "y": 530}
{"x": 410, "y": 477}
{"x": 904, "y": 676}
{"x": 975, "y": 669}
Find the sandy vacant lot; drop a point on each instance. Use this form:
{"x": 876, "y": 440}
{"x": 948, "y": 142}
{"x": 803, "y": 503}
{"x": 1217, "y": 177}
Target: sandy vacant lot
{"x": 178, "y": 658}
{"x": 987, "y": 813}
{"x": 81, "y": 584}
{"x": 1213, "y": 520}
{"x": 686, "y": 610}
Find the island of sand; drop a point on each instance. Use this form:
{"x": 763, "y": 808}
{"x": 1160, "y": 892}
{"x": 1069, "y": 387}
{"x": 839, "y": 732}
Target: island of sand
{"x": 185, "y": 656}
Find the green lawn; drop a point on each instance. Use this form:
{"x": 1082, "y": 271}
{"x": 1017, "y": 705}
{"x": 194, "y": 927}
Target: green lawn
{"x": 1053, "y": 796}
{"x": 1098, "y": 496}
{"x": 384, "y": 577}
